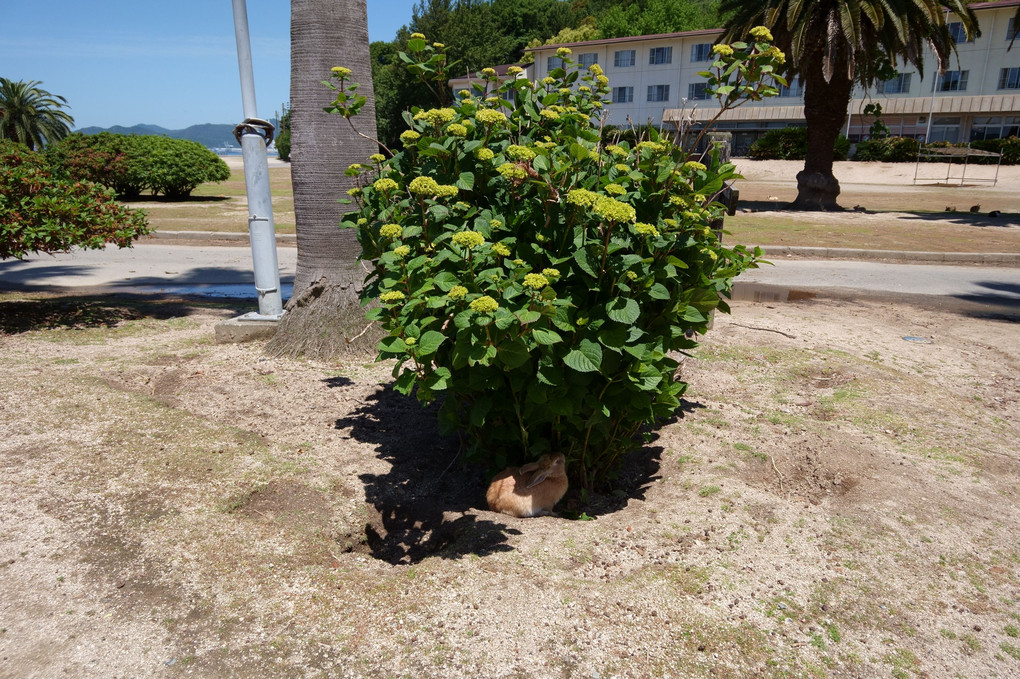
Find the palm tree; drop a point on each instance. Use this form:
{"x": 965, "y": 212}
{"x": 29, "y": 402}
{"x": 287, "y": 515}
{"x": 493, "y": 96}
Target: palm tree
{"x": 323, "y": 34}
{"x": 833, "y": 43}
{"x": 31, "y": 115}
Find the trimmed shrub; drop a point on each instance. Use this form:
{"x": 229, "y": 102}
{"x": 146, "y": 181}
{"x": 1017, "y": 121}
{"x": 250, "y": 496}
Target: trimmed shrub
{"x": 887, "y": 149}
{"x": 542, "y": 281}
{"x": 790, "y": 143}
{"x": 42, "y": 211}
{"x": 131, "y": 164}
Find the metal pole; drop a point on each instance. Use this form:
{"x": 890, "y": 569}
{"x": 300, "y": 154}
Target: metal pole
{"x": 261, "y": 229}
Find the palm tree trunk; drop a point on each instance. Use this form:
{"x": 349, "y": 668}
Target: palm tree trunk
{"x": 825, "y": 107}
{"x": 323, "y": 34}
{"x": 323, "y": 310}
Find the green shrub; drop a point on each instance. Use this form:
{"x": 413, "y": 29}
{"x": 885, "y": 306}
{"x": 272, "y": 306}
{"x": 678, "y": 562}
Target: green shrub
{"x": 130, "y": 164}
{"x": 41, "y": 211}
{"x": 283, "y": 137}
{"x": 887, "y": 149}
{"x": 790, "y": 143}
{"x": 543, "y": 282}
{"x": 175, "y": 167}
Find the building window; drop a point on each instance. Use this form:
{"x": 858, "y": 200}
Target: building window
{"x": 697, "y": 91}
{"x": 625, "y": 58}
{"x": 658, "y": 93}
{"x": 997, "y": 127}
{"x": 1009, "y": 29}
{"x": 660, "y": 55}
{"x": 794, "y": 89}
{"x": 957, "y": 33}
{"x": 1009, "y": 78}
{"x": 898, "y": 85}
{"x": 587, "y": 59}
{"x": 701, "y": 52}
{"x": 945, "y": 129}
{"x": 552, "y": 63}
{"x": 953, "y": 81}
{"x": 623, "y": 95}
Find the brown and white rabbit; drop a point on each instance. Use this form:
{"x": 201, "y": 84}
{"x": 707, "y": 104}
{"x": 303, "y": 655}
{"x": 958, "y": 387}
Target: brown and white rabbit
{"x": 530, "y": 490}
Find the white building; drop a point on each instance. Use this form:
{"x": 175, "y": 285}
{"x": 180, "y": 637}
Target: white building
{"x": 654, "y": 78}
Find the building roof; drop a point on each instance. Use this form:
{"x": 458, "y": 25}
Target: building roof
{"x": 716, "y": 31}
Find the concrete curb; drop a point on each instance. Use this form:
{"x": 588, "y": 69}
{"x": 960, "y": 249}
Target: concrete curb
{"x": 1010, "y": 259}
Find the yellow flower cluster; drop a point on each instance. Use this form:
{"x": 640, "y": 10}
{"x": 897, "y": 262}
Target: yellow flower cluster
{"x": 602, "y": 80}
{"x": 723, "y": 50}
{"x": 551, "y": 273}
{"x": 489, "y": 117}
{"x": 391, "y": 296}
{"x": 653, "y": 145}
{"x": 424, "y": 186}
{"x": 776, "y": 54}
{"x": 457, "y": 292}
{"x": 501, "y": 250}
{"x": 617, "y": 150}
{"x": 519, "y": 152}
{"x": 436, "y": 116}
{"x": 409, "y": 137}
{"x": 341, "y": 71}
{"x": 391, "y": 231}
{"x": 484, "y": 154}
{"x": 549, "y": 114}
{"x": 613, "y": 210}
{"x": 355, "y": 192}
{"x": 420, "y": 36}
{"x": 496, "y": 223}
{"x": 535, "y": 281}
{"x": 595, "y": 69}
{"x": 615, "y": 190}
{"x": 514, "y": 70}
{"x": 439, "y": 45}
{"x": 563, "y": 52}
{"x": 410, "y": 341}
{"x": 762, "y": 33}
{"x": 492, "y": 101}
{"x": 620, "y": 167}
{"x": 511, "y": 171}
{"x": 484, "y": 304}
{"x": 694, "y": 166}
{"x": 402, "y": 251}
{"x": 377, "y": 157}
{"x": 646, "y": 229}
{"x": 582, "y": 197}
{"x": 489, "y": 72}
{"x": 447, "y": 191}
{"x": 632, "y": 275}
{"x": 385, "y": 184}
{"x": 457, "y": 130}
{"x": 468, "y": 239}
{"x": 548, "y": 81}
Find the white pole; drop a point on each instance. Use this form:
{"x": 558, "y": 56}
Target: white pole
{"x": 261, "y": 230}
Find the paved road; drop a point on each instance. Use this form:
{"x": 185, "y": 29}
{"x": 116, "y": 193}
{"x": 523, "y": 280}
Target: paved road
{"x": 160, "y": 268}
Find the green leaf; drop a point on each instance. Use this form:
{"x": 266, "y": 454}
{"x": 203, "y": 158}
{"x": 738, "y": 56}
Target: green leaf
{"x": 586, "y": 358}
{"x": 692, "y": 315}
{"x": 445, "y": 280}
{"x": 623, "y": 310}
{"x": 545, "y": 336}
{"x": 513, "y": 354}
{"x": 658, "y": 291}
{"x": 440, "y": 213}
{"x": 429, "y": 343}
{"x": 584, "y": 261}
{"x": 479, "y": 410}
{"x": 613, "y": 336}
{"x": 578, "y": 152}
{"x": 405, "y": 383}
{"x": 392, "y": 345}
{"x": 466, "y": 181}
{"x": 549, "y": 373}
{"x": 540, "y": 163}
{"x": 528, "y": 317}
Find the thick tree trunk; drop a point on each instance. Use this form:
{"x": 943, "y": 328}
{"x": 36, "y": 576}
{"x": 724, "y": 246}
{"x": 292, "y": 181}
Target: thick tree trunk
{"x": 825, "y": 108}
{"x": 323, "y": 34}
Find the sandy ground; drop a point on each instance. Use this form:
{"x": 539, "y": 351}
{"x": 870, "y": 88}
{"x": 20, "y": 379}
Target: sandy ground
{"x": 838, "y": 498}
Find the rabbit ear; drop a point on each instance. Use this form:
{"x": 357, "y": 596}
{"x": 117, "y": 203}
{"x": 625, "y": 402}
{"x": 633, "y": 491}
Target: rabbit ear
{"x": 528, "y": 468}
{"x": 538, "y": 478}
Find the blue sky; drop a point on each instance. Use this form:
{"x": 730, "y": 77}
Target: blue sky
{"x": 172, "y": 64}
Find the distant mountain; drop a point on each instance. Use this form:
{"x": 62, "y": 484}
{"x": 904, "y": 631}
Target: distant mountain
{"x": 210, "y": 135}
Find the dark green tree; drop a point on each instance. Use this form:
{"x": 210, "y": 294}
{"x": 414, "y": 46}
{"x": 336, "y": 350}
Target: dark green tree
{"x": 833, "y": 43}
{"x": 31, "y": 115}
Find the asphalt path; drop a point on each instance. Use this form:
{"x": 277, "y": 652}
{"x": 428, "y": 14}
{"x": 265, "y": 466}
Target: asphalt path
{"x": 225, "y": 271}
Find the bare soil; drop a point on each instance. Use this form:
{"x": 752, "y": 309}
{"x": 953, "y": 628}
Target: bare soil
{"x": 837, "y": 498}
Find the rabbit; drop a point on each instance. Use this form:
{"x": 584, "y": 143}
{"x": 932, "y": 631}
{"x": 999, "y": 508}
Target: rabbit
{"x": 530, "y": 490}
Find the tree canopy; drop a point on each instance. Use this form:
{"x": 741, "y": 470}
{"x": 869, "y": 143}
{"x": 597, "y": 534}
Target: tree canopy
{"x": 30, "y": 115}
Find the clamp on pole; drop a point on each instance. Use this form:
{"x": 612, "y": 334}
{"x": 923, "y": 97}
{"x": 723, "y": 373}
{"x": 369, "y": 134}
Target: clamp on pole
{"x": 263, "y": 128}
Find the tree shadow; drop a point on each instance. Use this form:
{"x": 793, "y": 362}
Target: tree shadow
{"x": 96, "y": 311}
{"x": 1001, "y": 301}
{"x": 427, "y": 503}
{"x": 430, "y": 503}
{"x": 146, "y": 198}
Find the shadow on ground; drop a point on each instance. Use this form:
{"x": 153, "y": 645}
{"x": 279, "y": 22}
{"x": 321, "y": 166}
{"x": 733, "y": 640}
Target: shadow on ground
{"x": 430, "y": 503}
{"x": 97, "y": 311}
